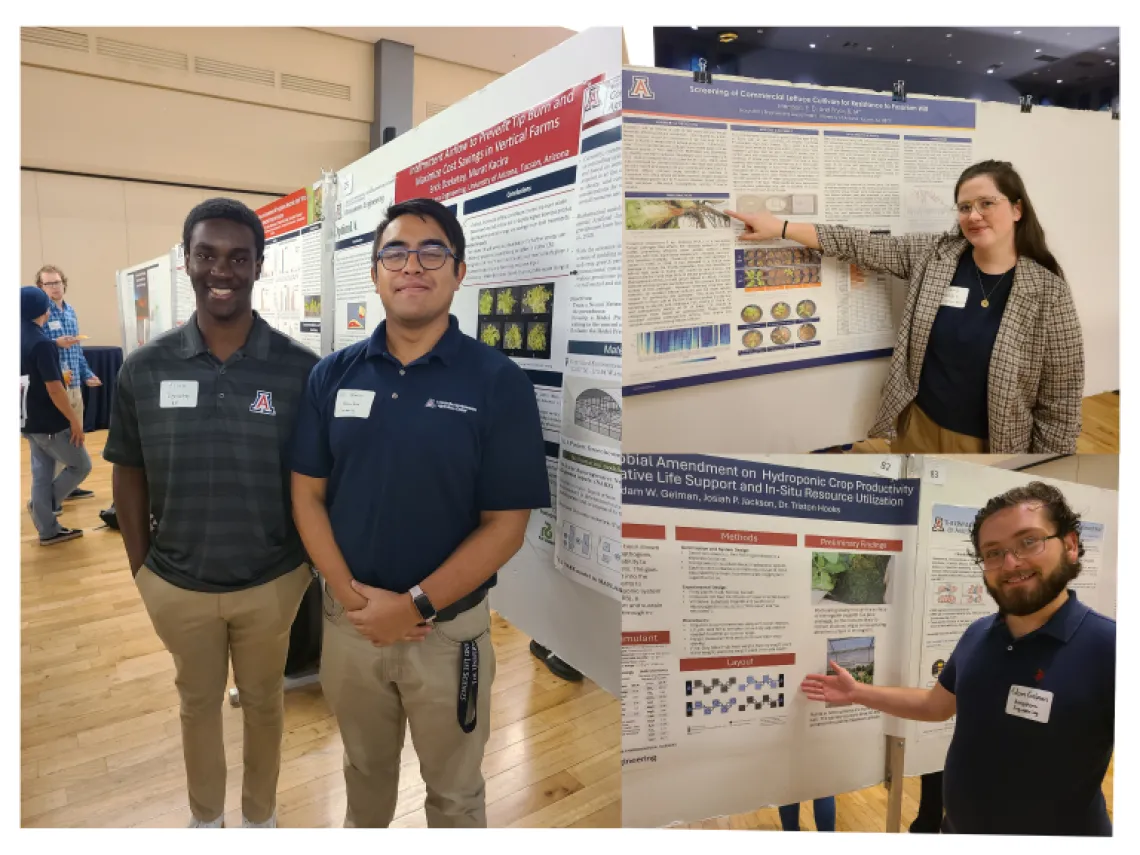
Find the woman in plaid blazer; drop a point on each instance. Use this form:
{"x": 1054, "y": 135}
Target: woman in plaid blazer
{"x": 989, "y": 327}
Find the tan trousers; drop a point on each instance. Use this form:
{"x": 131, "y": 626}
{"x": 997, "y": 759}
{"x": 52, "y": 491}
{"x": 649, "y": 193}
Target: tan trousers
{"x": 75, "y": 397}
{"x": 919, "y": 434}
{"x": 203, "y": 632}
{"x": 374, "y": 691}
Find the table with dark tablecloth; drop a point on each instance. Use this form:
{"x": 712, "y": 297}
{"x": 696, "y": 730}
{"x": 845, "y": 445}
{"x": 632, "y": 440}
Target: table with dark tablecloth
{"x": 105, "y": 363}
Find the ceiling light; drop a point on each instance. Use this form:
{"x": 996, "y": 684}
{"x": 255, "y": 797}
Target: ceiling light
{"x": 725, "y": 38}
{"x": 1060, "y": 81}
{"x": 949, "y": 35}
{"x": 759, "y": 31}
{"x": 694, "y": 28}
{"x": 908, "y": 59}
{"x": 1038, "y": 50}
{"x": 959, "y": 62}
{"x": 869, "y": 48}
{"x": 1017, "y": 32}
{"x": 989, "y": 71}
{"x": 811, "y": 45}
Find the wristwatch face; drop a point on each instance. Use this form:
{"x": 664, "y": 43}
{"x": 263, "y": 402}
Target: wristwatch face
{"x": 423, "y": 604}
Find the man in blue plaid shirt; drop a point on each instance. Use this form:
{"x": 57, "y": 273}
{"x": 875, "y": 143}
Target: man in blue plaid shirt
{"x": 62, "y": 327}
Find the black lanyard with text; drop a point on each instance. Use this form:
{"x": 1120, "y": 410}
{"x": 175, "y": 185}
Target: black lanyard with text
{"x": 468, "y": 685}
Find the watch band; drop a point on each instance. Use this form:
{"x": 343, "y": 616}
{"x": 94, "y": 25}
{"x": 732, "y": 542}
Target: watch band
{"x": 422, "y": 603}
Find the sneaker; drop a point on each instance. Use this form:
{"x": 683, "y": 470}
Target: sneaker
{"x": 198, "y": 823}
{"x": 269, "y": 823}
{"x": 65, "y": 534}
{"x": 80, "y": 494}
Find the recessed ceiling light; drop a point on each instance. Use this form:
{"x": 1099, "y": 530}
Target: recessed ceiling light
{"x": 1038, "y": 50}
{"x": 759, "y": 31}
{"x": 959, "y": 62}
{"x": 694, "y": 28}
{"x": 1060, "y": 81}
{"x": 811, "y": 45}
{"x": 989, "y": 71}
{"x": 908, "y": 59}
{"x": 1102, "y": 47}
{"x": 869, "y": 48}
{"x": 725, "y": 38}
{"x": 1017, "y": 32}
{"x": 949, "y": 35}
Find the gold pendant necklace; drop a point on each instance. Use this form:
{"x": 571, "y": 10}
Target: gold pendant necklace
{"x": 982, "y": 288}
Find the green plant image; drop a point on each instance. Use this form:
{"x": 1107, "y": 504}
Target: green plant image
{"x": 312, "y": 307}
{"x": 536, "y": 338}
{"x": 535, "y": 299}
{"x": 825, "y": 568}
{"x": 864, "y": 674}
{"x": 512, "y": 338}
{"x": 486, "y": 302}
{"x": 505, "y": 305}
{"x": 851, "y": 578}
{"x": 489, "y": 335}
{"x": 645, "y": 214}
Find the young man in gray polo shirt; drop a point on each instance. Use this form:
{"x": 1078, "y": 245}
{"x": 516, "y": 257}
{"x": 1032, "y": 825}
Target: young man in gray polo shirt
{"x": 202, "y": 418}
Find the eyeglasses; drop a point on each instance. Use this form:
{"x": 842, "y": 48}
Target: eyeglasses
{"x": 984, "y": 204}
{"x": 430, "y": 257}
{"x": 1027, "y": 547}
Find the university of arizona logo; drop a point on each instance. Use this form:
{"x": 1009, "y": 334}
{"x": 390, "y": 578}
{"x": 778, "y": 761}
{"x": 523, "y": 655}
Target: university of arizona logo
{"x": 640, "y": 88}
{"x": 592, "y": 99}
{"x": 263, "y": 404}
{"x": 433, "y": 404}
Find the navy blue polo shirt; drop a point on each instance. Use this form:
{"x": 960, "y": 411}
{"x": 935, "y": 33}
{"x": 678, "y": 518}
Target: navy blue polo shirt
{"x": 953, "y": 387}
{"x": 39, "y": 362}
{"x": 1009, "y": 775}
{"x": 413, "y": 454}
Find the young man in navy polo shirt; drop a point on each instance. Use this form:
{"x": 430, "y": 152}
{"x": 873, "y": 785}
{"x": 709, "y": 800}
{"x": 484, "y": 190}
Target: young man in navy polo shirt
{"x": 417, "y": 459}
{"x": 1033, "y": 686}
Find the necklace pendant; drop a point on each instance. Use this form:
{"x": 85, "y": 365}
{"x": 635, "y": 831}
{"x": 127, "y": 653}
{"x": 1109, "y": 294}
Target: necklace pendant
{"x": 985, "y": 303}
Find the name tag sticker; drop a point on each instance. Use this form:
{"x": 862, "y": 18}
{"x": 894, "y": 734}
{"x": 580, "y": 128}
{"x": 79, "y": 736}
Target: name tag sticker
{"x": 1032, "y": 704}
{"x": 55, "y": 325}
{"x": 353, "y": 403}
{"x": 178, "y": 393}
{"x": 955, "y": 297}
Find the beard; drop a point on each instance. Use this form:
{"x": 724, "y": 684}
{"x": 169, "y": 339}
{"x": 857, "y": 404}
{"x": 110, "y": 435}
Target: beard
{"x": 1020, "y": 602}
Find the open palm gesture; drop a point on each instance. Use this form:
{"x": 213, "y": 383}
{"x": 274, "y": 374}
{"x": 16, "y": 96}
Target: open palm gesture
{"x": 837, "y": 688}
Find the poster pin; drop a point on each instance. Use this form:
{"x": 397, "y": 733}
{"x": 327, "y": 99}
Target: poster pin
{"x": 702, "y": 74}
{"x": 899, "y": 93}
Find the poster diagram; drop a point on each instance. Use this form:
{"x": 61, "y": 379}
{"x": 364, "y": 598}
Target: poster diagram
{"x": 703, "y": 305}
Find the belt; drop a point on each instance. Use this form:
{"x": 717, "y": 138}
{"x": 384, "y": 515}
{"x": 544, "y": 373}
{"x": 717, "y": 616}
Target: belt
{"x": 460, "y": 606}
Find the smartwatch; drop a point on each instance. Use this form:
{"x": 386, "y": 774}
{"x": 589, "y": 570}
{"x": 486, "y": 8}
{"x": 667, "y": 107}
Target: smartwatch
{"x": 422, "y": 603}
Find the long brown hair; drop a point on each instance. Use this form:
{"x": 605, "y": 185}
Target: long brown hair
{"x": 1028, "y": 236}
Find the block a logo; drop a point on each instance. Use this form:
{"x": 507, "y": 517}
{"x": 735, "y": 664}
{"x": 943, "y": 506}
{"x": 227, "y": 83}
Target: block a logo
{"x": 640, "y": 88}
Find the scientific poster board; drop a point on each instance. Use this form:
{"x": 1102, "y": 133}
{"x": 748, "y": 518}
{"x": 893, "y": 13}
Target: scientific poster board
{"x": 288, "y": 293}
{"x": 744, "y": 574}
{"x": 145, "y": 301}
{"x": 808, "y": 154}
{"x": 767, "y": 397}
{"x": 531, "y": 166}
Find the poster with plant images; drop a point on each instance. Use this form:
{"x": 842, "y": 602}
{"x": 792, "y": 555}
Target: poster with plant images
{"x": 517, "y": 320}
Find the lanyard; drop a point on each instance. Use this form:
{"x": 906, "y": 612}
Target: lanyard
{"x": 468, "y": 685}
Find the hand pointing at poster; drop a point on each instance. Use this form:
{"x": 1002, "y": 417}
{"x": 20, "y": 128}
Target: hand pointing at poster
{"x": 838, "y": 688}
{"x": 764, "y": 225}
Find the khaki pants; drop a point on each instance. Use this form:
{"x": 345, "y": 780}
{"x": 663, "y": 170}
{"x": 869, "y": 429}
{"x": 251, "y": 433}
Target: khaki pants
{"x": 75, "y": 397}
{"x": 374, "y": 691}
{"x": 919, "y": 434}
{"x": 203, "y": 632}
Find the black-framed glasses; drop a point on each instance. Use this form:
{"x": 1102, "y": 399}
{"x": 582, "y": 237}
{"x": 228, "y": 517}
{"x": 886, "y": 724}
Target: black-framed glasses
{"x": 430, "y": 257}
{"x": 1027, "y": 547}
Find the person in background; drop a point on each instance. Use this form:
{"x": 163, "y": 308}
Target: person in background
{"x": 824, "y": 810}
{"x": 1032, "y": 687}
{"x": 199, "y": 433}
{"x": 989, "y": 356}
{"x": 62, "y": 327}
{"x": 52, "y": 427}
{"x": 417, "y": 460}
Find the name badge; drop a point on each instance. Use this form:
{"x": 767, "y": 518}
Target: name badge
{"x": 1032, "y": 704}
{"x": 353, "y": 403}
{"x": 178, "y": 393}
{"x": 955, "y": 297}
{"x": 55, "y": 325}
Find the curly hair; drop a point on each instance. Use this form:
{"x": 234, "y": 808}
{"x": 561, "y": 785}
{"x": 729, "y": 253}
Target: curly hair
{"x": 1048, "y": 496}
{"x": 225, "y": 209}
{"x": 50, "y": 268}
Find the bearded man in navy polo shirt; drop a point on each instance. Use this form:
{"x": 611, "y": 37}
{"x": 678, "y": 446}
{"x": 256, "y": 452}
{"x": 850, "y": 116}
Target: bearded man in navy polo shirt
{"x": 416, "y": 461}
{"x": 1033, "y": 686}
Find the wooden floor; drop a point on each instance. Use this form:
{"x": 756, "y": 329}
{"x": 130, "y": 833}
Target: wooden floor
{"x": 100, "y": 735}
{"x": 862, "y": 810}
{"x": 1100, "y": 428}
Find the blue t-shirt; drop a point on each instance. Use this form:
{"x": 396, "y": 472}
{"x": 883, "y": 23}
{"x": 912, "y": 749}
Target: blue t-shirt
{"x": 413, "y": 454}
{"x": 39, "y": 364}
{"x": 954, "y": 384}
{"x": 1006, "y": 774}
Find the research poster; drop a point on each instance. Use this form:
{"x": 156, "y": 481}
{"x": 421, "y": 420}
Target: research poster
{"x": 145, "y": 298}
{"x": 538, "y": 195}
{"x": 183, "y": 291}
{"x": 288, "y": 293}
{"x": 742, "y": 576}
{"x": 701, "y": 305}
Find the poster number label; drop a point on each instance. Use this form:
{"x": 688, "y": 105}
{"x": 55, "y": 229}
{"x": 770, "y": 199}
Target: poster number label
{"x": 935, "y": 473}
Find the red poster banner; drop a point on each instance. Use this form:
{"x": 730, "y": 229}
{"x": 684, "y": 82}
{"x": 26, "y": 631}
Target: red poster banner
{"x": 545, "y": 134}
{"x": 643, "y": 532}
{"x": 633, "y": 639}
{"x": 285, "y": 215}
{"x": 746, "y": 538}
{"x": 866, "y": 544}
{"x": 721, "y": 663}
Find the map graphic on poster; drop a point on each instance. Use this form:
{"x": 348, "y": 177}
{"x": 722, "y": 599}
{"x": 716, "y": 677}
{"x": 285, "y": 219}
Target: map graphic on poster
{"x": 538, "y": 196}
{"x": 288, "y": 293}
{"x": 702, "y": 305}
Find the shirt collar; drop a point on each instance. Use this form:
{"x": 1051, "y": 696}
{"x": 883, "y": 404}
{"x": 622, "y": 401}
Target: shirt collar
{"x": 1061, "y": 626}
{"x": 256, "y": 345}
{"x": 445, "y": 349}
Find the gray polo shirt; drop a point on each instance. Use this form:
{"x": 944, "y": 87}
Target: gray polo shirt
{"x": 212, "y": 438}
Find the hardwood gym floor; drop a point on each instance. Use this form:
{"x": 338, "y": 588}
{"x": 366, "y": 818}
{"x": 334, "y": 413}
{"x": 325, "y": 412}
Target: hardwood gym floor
{"x": 100, "y": 733}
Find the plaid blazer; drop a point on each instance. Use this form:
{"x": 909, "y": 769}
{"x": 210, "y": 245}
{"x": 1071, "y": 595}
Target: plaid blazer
{"x": 1037, "y": 371}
